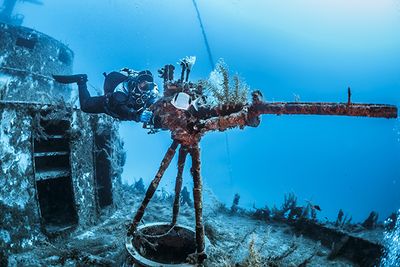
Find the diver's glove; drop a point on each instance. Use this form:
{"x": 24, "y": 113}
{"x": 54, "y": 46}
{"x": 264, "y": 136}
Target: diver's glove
{"x": 146, "y": 116}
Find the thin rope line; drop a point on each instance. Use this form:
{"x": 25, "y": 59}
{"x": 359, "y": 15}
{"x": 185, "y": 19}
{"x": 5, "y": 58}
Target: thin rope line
{"x": 210, "y": 57}
{"x": 212, "y": 64}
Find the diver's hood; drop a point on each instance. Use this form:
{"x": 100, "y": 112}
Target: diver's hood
{"x": 184, "y": 101}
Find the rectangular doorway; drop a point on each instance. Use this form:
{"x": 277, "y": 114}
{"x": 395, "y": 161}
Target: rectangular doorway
{"x": 53, "y": 178}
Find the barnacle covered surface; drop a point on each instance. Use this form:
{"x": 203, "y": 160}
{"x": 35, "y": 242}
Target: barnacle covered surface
{"x": 18, "y": 208}
{"x": 27, "y": 60}
{"x": 21, "y": 126}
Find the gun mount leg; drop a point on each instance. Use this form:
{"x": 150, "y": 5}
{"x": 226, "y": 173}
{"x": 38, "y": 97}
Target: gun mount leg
{"x": 178, "y": 185}
{"x": 153, "y": 186}
{"x": 198, "y": 202}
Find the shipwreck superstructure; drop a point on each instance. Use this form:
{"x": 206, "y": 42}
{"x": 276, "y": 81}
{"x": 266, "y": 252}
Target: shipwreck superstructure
{"x": 59, "y": 166}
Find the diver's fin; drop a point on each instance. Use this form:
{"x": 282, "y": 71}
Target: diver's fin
{"x": 70, "y": 78}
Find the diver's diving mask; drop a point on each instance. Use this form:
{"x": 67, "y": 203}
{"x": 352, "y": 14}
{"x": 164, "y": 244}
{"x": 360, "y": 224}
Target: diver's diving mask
{"x": 147, "y": 86}
{"x": 144, "y": 91}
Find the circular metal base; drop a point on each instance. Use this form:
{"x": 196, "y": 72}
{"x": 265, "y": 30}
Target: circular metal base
{"x": 161, "y": 244}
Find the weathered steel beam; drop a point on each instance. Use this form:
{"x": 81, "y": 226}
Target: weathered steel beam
{"x": 178, "y": 185}
{"x": 198, "y": 201}
{"x": 153, "y": 186}
{"x": 356, "y": 249}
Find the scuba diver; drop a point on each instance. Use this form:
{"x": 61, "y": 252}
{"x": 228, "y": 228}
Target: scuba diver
{"x": 127, "y": 94}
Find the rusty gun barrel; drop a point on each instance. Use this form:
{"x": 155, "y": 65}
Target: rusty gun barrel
{"x": 321, "y": 108}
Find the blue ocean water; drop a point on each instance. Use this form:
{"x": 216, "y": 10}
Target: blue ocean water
{"x": 309, "y": 49}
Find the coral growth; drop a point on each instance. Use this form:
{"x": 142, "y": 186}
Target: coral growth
{"x": 226, "y": 90}
{"x": 342, "y": 220}
{"x": 263, "y": 214}
{"x": 289, "y": 209}
{"x": 254, "y": 258}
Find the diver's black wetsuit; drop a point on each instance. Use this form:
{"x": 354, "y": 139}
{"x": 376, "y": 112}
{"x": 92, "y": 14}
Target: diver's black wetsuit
{"x": 123, "y": 105}
{"x": 115, "y": 104}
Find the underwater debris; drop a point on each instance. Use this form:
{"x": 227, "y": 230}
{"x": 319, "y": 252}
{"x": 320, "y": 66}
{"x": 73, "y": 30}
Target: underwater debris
{"x": 337, "y": 247}
{"x": 185, "y": 197}
{"x": 261, "y": 214}
{"x": 167, "y": 72}
{"x": 288, "y": 210}
{"x": 268, "y": 244}
{"x": 341, "y": 221}
{"x": 138, "y": 186}
{"x": 372, "y": 221}
{"x": 235, "y": 203}
{"x": 310, "y": 211}
{"x": 342, "y": 244}
{"x": 165, "y": 196}
{"x": 290, "y": 202}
